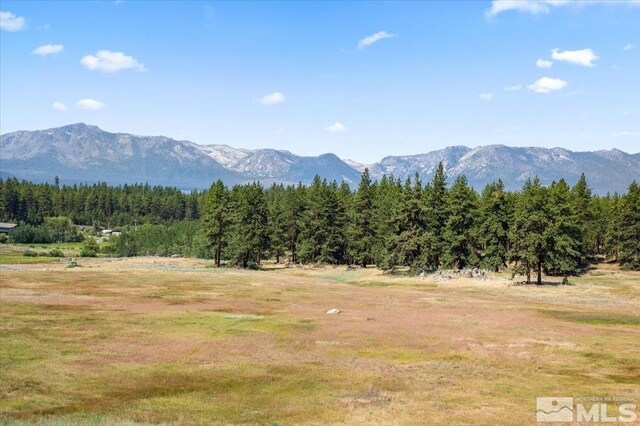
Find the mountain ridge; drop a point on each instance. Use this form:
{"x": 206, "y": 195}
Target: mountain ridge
{"x": 85, "y": 153}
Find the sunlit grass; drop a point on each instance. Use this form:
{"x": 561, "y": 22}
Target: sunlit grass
{"x": 113, "y": 343}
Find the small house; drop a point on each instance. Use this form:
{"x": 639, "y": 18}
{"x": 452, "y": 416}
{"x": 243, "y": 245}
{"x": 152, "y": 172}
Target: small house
{"x": 6, "y": 227}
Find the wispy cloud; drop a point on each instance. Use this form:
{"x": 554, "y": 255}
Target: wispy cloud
{"x": 536, "y": 7}
{"x": 110, "y": 62}
{"x": 486, "y": 96}
{"x": 48, "y": 49}
{"x": 629, "y": 46}
{"x": 272, "y": 99}
{"x": 584, "y": 57}
{"x": 11, "y": 22}
{"x": 541, "y": 63}
{"x": 547, "y": 85}
{"x": 59, "y": 106}
{"x": 88, "y": 103}
{"x": 624, "y": 133}
{"x": 337, "y": 127}
{"x": 368, "y": 41}
{"x": 513, "y": 88}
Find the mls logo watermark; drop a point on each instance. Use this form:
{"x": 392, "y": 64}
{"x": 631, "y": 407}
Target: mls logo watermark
{"x": 586, "y": 409}
{"x": 552, "y": 409}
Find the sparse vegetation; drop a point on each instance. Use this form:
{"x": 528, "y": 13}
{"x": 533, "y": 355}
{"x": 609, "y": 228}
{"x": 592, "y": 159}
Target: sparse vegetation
{"x": 55, "y": 253}
{"x": 157, "y": 340}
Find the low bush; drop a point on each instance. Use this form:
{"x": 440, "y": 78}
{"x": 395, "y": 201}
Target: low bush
{"x": 56, "y": 253}
{"x": 87, "y": 252}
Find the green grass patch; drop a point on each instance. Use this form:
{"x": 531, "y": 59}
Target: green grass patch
{"x": 594, "y": 318}
{"x": 8, "y": 259}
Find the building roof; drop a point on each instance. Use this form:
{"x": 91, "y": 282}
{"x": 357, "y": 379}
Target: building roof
{"x": 8, "y": 225}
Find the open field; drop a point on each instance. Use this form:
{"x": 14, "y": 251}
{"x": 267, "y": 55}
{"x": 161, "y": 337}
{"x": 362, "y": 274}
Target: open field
{"x": 154, "y": 340}
{"x": 13, "y": 253}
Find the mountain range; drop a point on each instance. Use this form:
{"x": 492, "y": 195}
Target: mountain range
{"x": 83, "y": 153}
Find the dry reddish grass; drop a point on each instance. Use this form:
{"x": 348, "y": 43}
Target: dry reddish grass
{"x": 172, "y": 340}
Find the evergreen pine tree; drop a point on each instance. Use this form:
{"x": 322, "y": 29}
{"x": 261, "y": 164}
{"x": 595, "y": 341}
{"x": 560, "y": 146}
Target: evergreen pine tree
{"x": 582, "y": 205}
{"x": 215, "y": 219}
{"x": 630, "y": 232}
{"x": 564, "y": 230}
{"x": 436, "y": 215}
{"x": 528, "y": 238}
{"x": 458, "y": 232}
{"x": 493, "y": 226}
{"x": 408, "y": 242}
{"x": 250, "y": 227}
{"x": 362, "y": 230}
{"x": 612, "y": 234}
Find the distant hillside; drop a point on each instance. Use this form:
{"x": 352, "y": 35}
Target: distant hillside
{"x": 82, "y": 153}
{"x": 607, "y": 171}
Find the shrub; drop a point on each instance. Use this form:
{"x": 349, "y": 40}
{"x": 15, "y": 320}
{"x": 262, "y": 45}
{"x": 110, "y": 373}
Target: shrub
{"x": 87, "y": 252}
{"x": 253, "y": 266}
{"x": 29, "y": 253}
{"x": 56, "y": 253}
{"x": 90, "y": 248}
{"x": 3, "y": 238}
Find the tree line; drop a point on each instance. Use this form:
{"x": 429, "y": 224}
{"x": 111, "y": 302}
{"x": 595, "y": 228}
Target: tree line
{"x": 97, "y": 205}
{"x": 555, "y": 229}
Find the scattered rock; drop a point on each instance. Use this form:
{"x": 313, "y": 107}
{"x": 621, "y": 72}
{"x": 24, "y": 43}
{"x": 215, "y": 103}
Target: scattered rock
{"x": 446, "y": 275}
{"x": 333, "y": 311}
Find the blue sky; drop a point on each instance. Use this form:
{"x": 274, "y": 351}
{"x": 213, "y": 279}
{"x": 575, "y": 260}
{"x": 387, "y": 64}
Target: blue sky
{"x": 362, "y": 80}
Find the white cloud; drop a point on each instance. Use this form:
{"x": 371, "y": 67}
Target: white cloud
{"x": 486, "y": 96}
{"x": 109, "y": 61}
{"x": 530, "y": 6}
{"x": 58, "y": 106}
{"x": 547, "y": 85}
{"x": 368, "y": 41}
{"x": 48, "y": 49}
{"x": 584, "y": 57}
{"x": 513, "y": 88}
{"x": 541, "y": 63}
{"x": 535, "y": 7}
{"x": 629, "y": 46}
{"x": 88, "y": 103}
{"x": 272, "y": 99}
{"x": 11, "y": 22}
{"x": 619, "y": 134}
{"x": 337, "y": 127}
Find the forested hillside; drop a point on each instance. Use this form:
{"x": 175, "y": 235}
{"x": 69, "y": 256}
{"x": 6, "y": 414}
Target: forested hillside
{"x": 554, "y": 229}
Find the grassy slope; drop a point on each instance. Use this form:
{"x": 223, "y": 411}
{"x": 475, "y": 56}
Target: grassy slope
{"x": 159, "y": 340}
